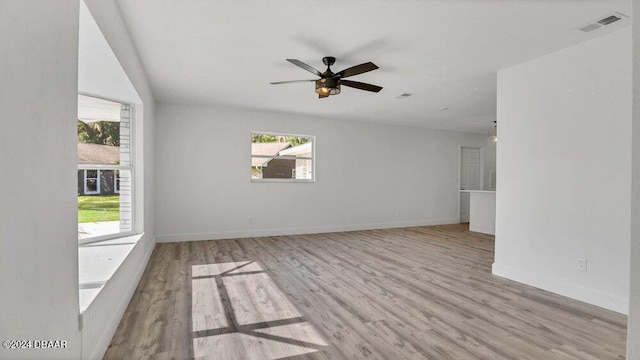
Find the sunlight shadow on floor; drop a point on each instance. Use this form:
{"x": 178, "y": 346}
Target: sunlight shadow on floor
{"x": 238, "y": 312}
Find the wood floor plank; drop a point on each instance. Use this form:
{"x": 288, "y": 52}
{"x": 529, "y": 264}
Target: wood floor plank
{"x": 411, "y": 293}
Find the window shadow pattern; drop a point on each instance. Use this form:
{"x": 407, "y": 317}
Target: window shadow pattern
{"x": 238, "y": 312}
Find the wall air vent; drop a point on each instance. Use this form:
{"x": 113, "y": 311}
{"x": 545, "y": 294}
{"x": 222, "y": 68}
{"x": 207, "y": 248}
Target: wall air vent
{"x": 602, "y": 22}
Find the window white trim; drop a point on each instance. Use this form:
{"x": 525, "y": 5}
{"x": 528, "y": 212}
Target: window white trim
{"x": 285, "y": 156}
{"x": 99, "y": 238}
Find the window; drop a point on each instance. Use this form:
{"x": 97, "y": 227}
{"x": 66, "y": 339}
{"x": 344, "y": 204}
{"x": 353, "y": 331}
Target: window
{"x": 105, "y": 170}
{"x": 282, "y": 157}
{"x": 91, "y": 182}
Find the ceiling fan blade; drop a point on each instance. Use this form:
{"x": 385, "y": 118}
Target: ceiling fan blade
{"x": 355, "y": 70}
{"x": 289, "y": 82}
{"x": 309, "y": 68}
{"x": 361, "y": 86}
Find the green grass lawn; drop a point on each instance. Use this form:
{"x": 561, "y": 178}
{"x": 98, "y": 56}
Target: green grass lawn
{"x": 98, "y": 208}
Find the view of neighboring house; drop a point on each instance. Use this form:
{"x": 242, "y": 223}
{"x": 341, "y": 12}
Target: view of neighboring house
{"x": 280, "y": 160}
{"x": 96, "y": 181}
{"x": 266, "y": 165}
{"x": 304, "y": 166}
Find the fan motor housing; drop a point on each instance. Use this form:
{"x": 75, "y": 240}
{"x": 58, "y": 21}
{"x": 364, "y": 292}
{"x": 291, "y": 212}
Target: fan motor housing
{"x": 328, "y": 60}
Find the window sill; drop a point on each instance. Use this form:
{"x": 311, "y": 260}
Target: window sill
{"x": 283, "y": 180}
{"x": 98, "y": 262}
{"x": 101, "y": 233}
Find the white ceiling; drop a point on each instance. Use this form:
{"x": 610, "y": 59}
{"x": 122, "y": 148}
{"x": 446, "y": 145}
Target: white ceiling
{"x": 443, "y": 52}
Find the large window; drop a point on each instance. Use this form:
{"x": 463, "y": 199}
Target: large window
{"x": 105, "y": 169}
{"x": 282, "y": 157}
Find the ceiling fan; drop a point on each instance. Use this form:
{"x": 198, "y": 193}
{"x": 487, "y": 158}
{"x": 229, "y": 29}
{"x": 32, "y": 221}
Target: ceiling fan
{"x": 330, "y": 82}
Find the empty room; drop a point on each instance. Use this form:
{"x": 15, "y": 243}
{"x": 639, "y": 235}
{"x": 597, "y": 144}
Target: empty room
{"x": 383, "y": 179}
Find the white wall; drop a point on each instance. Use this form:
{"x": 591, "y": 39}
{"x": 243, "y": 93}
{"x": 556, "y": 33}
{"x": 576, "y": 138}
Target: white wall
{"x": 633, "y": 327}
{"x": 564, "y": 170}
{"x": 99, "y": 71}
{"x": 38, "y": 211}
{"x": 128, "y": 70}
{"x": 110, "y": 68}
{"x": 365, "y": 174}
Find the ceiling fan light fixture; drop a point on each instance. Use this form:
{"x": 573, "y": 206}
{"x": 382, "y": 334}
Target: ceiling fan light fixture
{"x": 330, "y": 82}
{"x": 329, "y": 86}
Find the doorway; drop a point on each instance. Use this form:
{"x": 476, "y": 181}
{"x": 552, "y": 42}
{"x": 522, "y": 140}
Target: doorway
{"x": 469, "y": 178}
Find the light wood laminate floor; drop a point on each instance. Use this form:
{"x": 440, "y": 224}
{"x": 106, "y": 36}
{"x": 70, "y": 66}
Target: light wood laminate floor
{"x": 413, "y": 293}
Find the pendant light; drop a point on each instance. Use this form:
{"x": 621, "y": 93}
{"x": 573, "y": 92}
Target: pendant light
{"x": 494, "y": 137}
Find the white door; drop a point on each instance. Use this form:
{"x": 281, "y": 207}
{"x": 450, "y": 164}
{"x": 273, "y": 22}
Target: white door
{"x": 469, "y": 178}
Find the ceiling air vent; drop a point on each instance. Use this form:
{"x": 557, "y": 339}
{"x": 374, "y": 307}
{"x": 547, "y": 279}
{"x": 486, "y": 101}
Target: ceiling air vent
{"x": 590, "y": 27}
{"x": 597, "y": 24}
{"x": 609, "y": 19}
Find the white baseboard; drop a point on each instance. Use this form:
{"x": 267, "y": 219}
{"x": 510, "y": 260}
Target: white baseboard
{"x": 483, "y": 230}
{"x": 244, "y": 233}
{"x": 563, "y": 287}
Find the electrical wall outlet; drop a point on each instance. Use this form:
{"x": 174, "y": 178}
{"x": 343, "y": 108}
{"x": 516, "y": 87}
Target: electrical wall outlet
{"x": 581, "y": 264}
{"x": 250, "y": 219}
